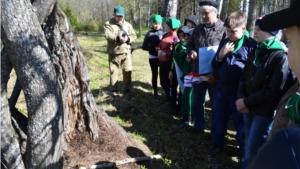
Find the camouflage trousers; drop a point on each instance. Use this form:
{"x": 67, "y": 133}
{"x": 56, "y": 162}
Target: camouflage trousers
{"x": 122, "y": 61}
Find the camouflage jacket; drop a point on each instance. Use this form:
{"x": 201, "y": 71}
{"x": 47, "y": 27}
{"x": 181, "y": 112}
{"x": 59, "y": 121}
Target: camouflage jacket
{"x": 112, "y": 31}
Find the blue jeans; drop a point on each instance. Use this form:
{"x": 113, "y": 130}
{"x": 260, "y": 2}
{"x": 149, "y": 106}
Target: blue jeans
{"x": 199, "y": 93}
{"x": 225, "y": 108}
{"x": 256, "y": 131}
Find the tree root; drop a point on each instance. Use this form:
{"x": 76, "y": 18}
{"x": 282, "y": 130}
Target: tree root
{"x": 125, "y": 161}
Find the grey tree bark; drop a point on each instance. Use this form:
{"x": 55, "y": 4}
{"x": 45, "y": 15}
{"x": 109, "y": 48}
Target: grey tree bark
{"x": 225, "y": 9}
{"x": 10, "y": 149}
{"x": 241, "y": 5}
{"x": 270, "y": 5}
{"x": 252, "y": 17}
{"x": 28, "y": 51}
{"x": 246, "y": 7}
{"x": 54, "y": 77}
{"x": 220, "y": 7}
{"x": 170, "y": 9}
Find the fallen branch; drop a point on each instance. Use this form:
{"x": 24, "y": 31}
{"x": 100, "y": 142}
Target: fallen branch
{"x": 125, "y": 161}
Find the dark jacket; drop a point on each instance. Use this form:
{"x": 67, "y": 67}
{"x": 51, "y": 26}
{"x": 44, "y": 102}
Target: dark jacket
{"x": 229, "y": 69}
{"x": 151, "y": 40}
{"x": 201, "y": 38}
{"x": 261, "y": 87}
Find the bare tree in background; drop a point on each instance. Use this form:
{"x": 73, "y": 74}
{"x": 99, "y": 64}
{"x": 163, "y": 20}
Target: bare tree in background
{"x": 170, "y": 9}
{"x": 226, "y": 9}
{"x": 220, "y": 7}
{"x": 252, "y": 17}
{"x": 241, "y": 5}
{"x": 270, "y": 4}
{"x": 246, "y": 7}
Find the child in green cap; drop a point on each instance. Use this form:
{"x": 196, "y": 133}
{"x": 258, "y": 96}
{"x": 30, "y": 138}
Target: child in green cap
{"x": 165, "y": 50}
{"x": 151, "y": 41}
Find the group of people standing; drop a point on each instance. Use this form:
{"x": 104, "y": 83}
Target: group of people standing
{"x": 248, "y": 78}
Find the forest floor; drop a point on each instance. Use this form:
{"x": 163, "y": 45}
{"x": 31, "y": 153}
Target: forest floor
{"x": 144, "y": 118}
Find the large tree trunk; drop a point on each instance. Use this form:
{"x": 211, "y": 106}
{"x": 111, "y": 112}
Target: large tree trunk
{"x": 29, "y": 53}
{"x": 54, "y": 77}
{"x": 10, "y": 150}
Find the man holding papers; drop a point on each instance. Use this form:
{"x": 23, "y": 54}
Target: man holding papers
{"x": 206, "y": 37}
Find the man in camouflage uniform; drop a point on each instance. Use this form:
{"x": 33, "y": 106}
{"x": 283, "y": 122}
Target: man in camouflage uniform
{"x": 119, "y": 35}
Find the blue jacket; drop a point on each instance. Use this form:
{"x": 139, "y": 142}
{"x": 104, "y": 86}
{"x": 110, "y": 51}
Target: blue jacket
{"x": 229, "y": 69}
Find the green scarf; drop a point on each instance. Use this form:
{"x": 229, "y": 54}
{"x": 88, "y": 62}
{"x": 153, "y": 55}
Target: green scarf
{"x": 238, "y": 43}
{"x": 272, "y": 44}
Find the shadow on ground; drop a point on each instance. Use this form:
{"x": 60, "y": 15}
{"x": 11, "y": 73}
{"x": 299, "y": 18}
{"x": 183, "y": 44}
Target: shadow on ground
{"x": 149, "y": 121}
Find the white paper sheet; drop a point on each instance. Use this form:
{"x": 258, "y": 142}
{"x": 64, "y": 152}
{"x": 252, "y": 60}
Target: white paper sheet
{"x": 205, "y": 55}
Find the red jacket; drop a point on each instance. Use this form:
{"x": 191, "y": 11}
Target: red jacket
{"x": 167, "y": 44}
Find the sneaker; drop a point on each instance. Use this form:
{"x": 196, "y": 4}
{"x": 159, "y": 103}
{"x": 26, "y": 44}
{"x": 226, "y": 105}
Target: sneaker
{"x": 213, "y": 150}
{"x": 192, "y": 130}
{"x": 182, "y": 121}
{"x": 188, "y": 123}
{"x": 114, "y": 93}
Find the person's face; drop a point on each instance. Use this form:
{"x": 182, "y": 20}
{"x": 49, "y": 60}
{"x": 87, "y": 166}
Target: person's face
{"x": 235, "y": 34}
{"x": 181, "y": 36}
{"x": 157, "y": 25}
{"x": 261, "y": 36}
{"x": 293, "y": 36}
{"x": 167, "y": 28}
{"x": 118, "y": 19}
{"x": 187, "y": 38}
{"x": 209, "y": 16}
{"x": 189, "y": 24}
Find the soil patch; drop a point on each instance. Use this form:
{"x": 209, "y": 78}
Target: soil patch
{"x": 83, "y": 152}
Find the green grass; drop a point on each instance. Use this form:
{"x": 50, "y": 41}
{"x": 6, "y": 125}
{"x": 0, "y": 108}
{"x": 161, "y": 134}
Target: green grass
{"x": 145, "y": 119}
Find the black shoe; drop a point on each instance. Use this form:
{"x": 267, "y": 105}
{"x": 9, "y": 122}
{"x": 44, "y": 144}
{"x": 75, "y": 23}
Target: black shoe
{"x": 165, "y": 102}
{"x": 127, "y": 92}
{"x": 213, "y": 150}
{"x": 193, "y": 130}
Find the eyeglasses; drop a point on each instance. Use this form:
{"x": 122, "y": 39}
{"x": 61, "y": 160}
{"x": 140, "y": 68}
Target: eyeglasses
{"x": 205, "y": 13}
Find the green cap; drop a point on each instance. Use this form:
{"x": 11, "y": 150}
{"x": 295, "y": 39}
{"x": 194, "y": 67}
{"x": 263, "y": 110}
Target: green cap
{"x": 157, "y": 18}
{"x": 293, "y": 107}
{"x": 119, "y": 11}
{"x": 173, "y": 23}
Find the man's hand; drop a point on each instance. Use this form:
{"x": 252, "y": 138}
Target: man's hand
{"x": 161, "y": 55}
{"x": 225, "y": 50}
{"x": 194, "y": 56}
{"x": 170, "y": 75}
{"x": 188, "y": 59}
{"x": 123, "y": 39}
{"x": 244, "y": 110}
{"x": 211, "y": 78}
{"x": 240, "y": 106}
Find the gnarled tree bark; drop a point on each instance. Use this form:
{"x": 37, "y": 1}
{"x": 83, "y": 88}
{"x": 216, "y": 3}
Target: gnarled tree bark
{"x": 29, "y": 54}
{"x": 54, "y": 76}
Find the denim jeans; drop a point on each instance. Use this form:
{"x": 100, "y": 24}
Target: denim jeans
{"x": 225, "y": 109}
{"x": 256, "y": 131}
{"x": 199, "y": 93}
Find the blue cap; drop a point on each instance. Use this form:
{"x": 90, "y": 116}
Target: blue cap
{"x": 119, "y": 11}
